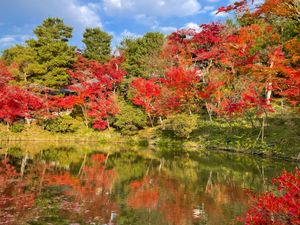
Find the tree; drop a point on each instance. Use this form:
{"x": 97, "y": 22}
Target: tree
{"x": 97, "y": 44}
{"x": 280, "y": 209}
{"x": 15, "y": 102}
{"x": 137, "y": 53}
{"x": 24, "y": 59}
{"x": 130, "y": 119}
{"x": 44, "y": 60}
{"x": 93, "y": 84}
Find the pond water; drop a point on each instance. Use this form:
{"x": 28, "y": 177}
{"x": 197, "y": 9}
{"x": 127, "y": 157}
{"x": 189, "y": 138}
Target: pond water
{"x": 78, "y": 184}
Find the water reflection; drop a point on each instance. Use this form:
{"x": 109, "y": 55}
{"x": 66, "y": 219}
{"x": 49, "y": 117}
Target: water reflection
{"x": 82, "y": 185}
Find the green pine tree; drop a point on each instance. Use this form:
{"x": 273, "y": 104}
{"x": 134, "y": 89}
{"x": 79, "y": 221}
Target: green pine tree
{"x": 98, "y": 44}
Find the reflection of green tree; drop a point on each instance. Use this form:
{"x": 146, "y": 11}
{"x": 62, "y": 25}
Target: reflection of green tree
{"x": 129, "y": 166}
{"x": 15, "y": 151}
{"x": 141, "y": 217}
{"x": 62, "y": 156}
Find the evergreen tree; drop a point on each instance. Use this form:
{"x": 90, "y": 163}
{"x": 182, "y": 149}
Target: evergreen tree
{"x": 140, "y": 52}
{"x": 98, "y": 44}
{"x": 44, "y": 60}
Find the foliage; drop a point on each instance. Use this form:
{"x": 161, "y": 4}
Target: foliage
{"x": 282, "y": 208}
{"x": 97, "y": 44}
{"x": 61, "y": 124}
{"x": 94, "y": 85}
{"x": 130, "y": 119}
{"x": 17, "y": 103}
{"x": 182, "y": 125}
{"x": 138, "y": 53}
{"x": 17, "y": 127}
{"x": 45, "y": 60}
{"x": 236, "y": 72}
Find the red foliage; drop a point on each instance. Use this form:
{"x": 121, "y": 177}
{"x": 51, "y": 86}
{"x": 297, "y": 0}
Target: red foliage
{"x": 94, "y": 85}
{"x": 17, "y": 103}
{"x": 146, "y": 92}
{"x": 278, "y": 209}
{"x": 238, "y": 6}
{"x": 292, "y": 91}
{"x": 15, "y": 199}
{"x": 5, "y": 75}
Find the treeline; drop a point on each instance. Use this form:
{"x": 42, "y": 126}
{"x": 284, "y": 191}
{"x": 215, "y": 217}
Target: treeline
{"x": 239, "y": 70}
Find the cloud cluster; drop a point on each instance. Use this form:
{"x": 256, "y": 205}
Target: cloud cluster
{"x": 8, "y": 40}
{"x": 159, "y": 8}
{"x": 72, "y": 11}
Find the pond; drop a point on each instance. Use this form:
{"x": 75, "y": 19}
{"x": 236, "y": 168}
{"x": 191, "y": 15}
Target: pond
{"x": 79, "y": 184}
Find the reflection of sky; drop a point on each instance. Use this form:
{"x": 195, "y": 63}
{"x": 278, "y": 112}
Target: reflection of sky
{"x": 119, "y": 17}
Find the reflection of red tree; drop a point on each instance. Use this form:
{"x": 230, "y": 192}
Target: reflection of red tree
{"x": 218, "y": 195}
{"x": 162, "y": 195}
{"x": 143, "y": 195}
{"x": 15, "y": 200}
{"x": 90, "y": 192}
{"x": 178, "y": 202}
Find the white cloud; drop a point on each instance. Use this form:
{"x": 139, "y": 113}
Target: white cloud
{"x": 213, "y": 0}
{"x": 163, "y": 8}
{"x": 206, "y": 9}
{"x": 7, "y": 40}
{"x": 75, "y": 12}
{"x": 127, "y": 34}
{"x": 147, "y": 20}
{"x": 192, "y": 25}
{"x": 86, "y": 15}
{"x": 167, "y": 29}
{"x": 220, "y": 15}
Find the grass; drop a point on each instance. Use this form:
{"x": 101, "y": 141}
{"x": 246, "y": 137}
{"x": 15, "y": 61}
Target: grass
{"x": 282, "y": 137}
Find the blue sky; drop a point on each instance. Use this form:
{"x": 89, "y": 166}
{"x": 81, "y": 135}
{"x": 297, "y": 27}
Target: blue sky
{"x": 119, "y": 17}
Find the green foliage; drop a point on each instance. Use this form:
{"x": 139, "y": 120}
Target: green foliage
{"x": 98, "y": 44}
{"x": 44, "y": 60}
{"x": 62, "y": 124}
{"x": 130, "y": 119}
{"x": 139, "y": 53}
{"x": 25, "y": 57}
{"x": 182, "y": 125}
{"x": 17, "y": 127}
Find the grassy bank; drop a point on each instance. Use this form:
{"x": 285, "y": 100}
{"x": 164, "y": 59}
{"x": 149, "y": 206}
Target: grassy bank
{"x": 282, "y": 137}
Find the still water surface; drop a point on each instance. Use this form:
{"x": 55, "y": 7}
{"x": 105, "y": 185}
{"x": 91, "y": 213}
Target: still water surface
{"x": 80, "y": 184}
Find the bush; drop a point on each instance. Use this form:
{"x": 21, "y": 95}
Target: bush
{"x": 62, "y": 124}
{"x": 130, "y": 119}
{"x": 17, "y": 127}
{"x": 181, "y": 125}
{"x": 282, "y": 207}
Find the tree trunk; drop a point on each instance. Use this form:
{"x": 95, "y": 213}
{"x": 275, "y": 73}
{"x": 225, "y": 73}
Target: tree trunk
{"x": 86, "y": 122}
{"x": 208, "y": 111}
{"x": 161, "y": 122}
{"x": 268, "y": 92}
{"x": 108, "y": 126}
{"x": 150, "y": 118}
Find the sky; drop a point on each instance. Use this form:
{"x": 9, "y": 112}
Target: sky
{"x": 120, "y": 18}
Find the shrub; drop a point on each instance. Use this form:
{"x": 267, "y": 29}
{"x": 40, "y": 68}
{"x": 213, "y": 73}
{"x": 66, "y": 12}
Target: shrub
{"x": 181, "y": 125}
{"x": 130, "y": 119}
{"x": 17, "y": 127}
{"x": 62, "y": 124}
{"x": 281, "y": 208}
